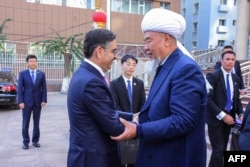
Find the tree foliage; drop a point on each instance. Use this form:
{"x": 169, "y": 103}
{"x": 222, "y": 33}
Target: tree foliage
{"x": 3, "y": 37}
{"x": 70, "y": 47}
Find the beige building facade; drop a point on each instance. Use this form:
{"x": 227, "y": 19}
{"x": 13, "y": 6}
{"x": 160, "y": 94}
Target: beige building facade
{"x": 32, "y": 22}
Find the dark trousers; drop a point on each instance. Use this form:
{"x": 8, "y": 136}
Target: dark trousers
{"x": 218, "y": 136}
{"x": 26, "y": 112}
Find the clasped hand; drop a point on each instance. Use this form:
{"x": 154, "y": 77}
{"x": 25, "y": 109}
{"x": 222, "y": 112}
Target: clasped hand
{"x": 129, "y": 131}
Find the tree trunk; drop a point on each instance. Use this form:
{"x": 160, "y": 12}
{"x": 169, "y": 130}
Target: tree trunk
{"x": 67, "y": 72}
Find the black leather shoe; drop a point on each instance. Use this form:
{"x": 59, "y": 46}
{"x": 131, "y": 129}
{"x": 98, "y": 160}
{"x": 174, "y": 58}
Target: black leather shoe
{"x": 36, "y": 145}
{"x": 25, "y": 147}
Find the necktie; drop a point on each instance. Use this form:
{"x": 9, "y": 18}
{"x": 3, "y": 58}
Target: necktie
{"x": 130, "y": 95}
{"x": 229, "y": 100}
{"x": 106, "y": 79}
{"x": 33, "y": 76}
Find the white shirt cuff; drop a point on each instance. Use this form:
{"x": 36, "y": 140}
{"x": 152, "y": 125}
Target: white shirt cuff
{"x": 221, "y": 115}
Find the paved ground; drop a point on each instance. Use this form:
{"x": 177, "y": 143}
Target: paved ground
{"x": 54, "y": 127}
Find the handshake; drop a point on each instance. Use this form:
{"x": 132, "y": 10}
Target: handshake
{"x": 136, "y": 118}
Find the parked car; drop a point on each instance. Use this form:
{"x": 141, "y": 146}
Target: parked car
{"x": 8, "y": 89}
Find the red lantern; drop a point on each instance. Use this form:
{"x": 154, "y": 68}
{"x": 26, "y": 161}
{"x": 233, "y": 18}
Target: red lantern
{"x": 100, "y": 18}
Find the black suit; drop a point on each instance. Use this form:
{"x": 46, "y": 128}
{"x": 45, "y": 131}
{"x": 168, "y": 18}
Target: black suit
{"x": 237, "y": 69}
{"x": 120, "y": 94}
{"x": 218, "y": 131}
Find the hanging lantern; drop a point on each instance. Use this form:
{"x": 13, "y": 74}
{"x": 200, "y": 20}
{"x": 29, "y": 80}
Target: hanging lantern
{"x": 99, "y": 18}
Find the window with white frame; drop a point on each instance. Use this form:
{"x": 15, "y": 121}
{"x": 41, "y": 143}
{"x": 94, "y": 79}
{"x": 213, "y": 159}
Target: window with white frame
{"x": 141, "y": 6}
{"x": 131, "y": 6}
{"x": 165, "y": 5}
{"x": 117, "y": 5}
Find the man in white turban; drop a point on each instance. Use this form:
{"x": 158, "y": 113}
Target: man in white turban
{"x": 171, "y": 124}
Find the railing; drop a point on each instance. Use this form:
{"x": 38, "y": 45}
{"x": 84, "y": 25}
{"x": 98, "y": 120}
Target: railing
{"x": 207, "y": 59}
{"x": 52, "y": 65}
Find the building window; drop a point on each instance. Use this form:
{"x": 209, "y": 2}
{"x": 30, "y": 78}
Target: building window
{"x": 222, "y": 22}
{"x": 234, "y": 22}
{"x": 196, "y": 8}
{"x": 184, "y": 12}
{"x": 165, "y": 5}
{"x": 195, "y": 26}
{"x": 221, "y": 43}
{"x": 117, "y": 5}
{"x": 223, "y": 2}
{"x": 141, "y": 7}
{"x": 131, "y": 6}
{"x": 90, "y": 4}
{"x": 194, "y": 45}
{"x": 235, "y": 2}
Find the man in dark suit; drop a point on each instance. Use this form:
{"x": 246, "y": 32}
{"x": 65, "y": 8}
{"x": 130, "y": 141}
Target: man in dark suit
{"x": 223, "y": 103}
{"x": 128, "y": 91}
{"x": 172, "y": 121}
{"x": 91, "y": 108}
{"x": 32, "y": 96}
{"x": 236, "y": 69}
{"x": 119, "y": 87}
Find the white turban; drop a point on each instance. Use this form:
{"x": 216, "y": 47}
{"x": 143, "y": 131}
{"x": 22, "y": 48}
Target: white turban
{"x": 163, "y": 20}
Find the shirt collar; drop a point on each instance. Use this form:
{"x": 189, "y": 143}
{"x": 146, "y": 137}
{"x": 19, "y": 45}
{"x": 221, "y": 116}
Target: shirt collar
{"x": 95, "y": 66}
{"x": 224, "y": 72}
{"x": 32, "y": 70}
{"x": 126, "y": 79}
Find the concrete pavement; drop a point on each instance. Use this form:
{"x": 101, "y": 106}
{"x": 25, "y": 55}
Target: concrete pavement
{"x": 54, "y": 127}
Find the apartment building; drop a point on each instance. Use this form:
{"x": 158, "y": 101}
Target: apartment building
{"x": 211, "y": 23}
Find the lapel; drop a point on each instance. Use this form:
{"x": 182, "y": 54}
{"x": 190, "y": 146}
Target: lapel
{"x": 162, "y": 76}
{"x": 222, "y": 82}
{"x": 235, "y": 85}
{"x": 27, "y": 73}
{"x": 134, "y": 87}
{"x": 123, "y": 87}
{"x": 93, "y": 70}
{"x": 38, "y": 74}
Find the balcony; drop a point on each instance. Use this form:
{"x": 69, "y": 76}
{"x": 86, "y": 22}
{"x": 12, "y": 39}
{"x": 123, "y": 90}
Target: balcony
{"x": 222, "y": 29}
{"x": 223, "y": 8}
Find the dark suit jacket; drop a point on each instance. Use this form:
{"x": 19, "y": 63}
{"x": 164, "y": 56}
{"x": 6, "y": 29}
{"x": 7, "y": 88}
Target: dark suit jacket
{"x": 93, "y": 119}
{"x": 217, "y": 97}
{"x": 244, "y": 136}
{"x": 237, "y": 69}
{"x": 172, "y": 120}
{"x": 120, "y": 94}
{"x": 29, "y": 93}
